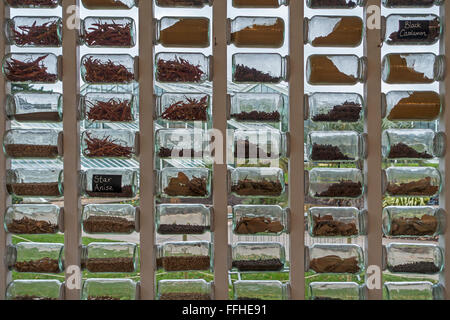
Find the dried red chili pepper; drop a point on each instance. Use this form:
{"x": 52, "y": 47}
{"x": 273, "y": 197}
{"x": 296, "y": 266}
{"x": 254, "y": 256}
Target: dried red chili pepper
{"x": 111, "y": 110}
{"x": 43, "y": 35}
{"x": 106, "y": 147}
{"x": 192, "y": 110}
{"x": 178, "y": 70}
{"x": 106, "y": 72}
{"x": 109, "y": 34}
{"x": 34, "y": 71}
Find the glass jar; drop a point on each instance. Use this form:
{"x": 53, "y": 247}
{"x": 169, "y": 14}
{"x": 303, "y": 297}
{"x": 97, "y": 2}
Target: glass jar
{"x": 345, "y": 69}
{"x": 260, "y": 3}
{"x": 34, "y": 107}
{"x": 421, "y": 221}
{"x": 33, "y": 4}
{"x": 36, "y": 257}
{"x": 335, "y": 183}
{"x": 108, "y": 107}
{"x": 334, "y": 31}
{"x": 259, "y": 290}
{"x": 412, "y": 181}
{"x": 109, "y": 289}
{"x": 31, "y": 68}
{"x": 413, "y": 29}
{"x": 183, "y": 107}
{"x": 183, "y": 67}
{"x": 197, "y": 289}
{"x": 183, "y": 3}
{"x": 257, "y": 182}
{"x": 100, "y": 32}
{"x": 335, "y": 258}
{"x": 109, "y": 218}
{"x": 34, "y": 31}
{"x": 110, "y": 183}
{"x": 109, "y": 4}
{"x": 260, "y": 220}
{"x": 257, "y": 107}
{"x": 264, "y": 144}
{"x": 413, "y": 258}
{"x": 334, "y": 106}
{"x": 417, "y": 290}
{"x": 45, "y": 183}
{"x": 180, "y": 143}
{"x": 409, "y": 68}
{"x": 109, "y": 143}
{"x": 183, "y": 219}
{"x": 108, "y": 68}
{"x": 186, "y": 256}
{"x": 412, "y": 144}
{"x": 345, "y": 4}
{"x": 259, "y": 68}
{"x": 256, "y": 32}
{"x": 34, "y": 143}
{"x": 336, "y": 291}
{"x": 110, "y": 257}
{"x": 412, "y": 4}
{"x": 33, "y": 219}
{"x": 191, "y": 32}
{"x": 335, "y": 146}
{"x": 184, "y": 182}
{"x": 258, "y": 256}
{"x": 337, "y": 222}
{"x": 412, "y": 105}
{"x": 35, "y": 290}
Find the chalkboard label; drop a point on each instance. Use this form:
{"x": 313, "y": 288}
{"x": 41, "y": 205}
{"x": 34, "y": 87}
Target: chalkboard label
{"x": 414, "y": 29}
{"x": 103, "y": 183}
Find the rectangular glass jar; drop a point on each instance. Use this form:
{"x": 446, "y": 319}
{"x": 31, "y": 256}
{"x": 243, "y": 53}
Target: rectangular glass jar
{"x": 108, "y": 68}
{"x": 34, "y": 143}
{"x": 108, "y": 107}
{"x": 335, "y": 146}
{"x": 109, "y": 4}
{"x": 416, "y": 29}
{"x": 334, "y": 107}
{"x": 262, "y": 144}
{"x": 109, "y": 183}
{"x": 334, "y": 31}
{"x": 259, "y": 3}
{"x": 181, "y": 143}
{"x": 109, "y": 219}
{"x": 416, "y": 258}
{"x": 411, "y": 181}
{"x": 411, "y": 105}
{"x": 336, "y": 4}
{"x": 183, "y": 67}
{"x": 46, "y": 183}
{"x": 183, "y": 219}
{"x": 411, "y": 4}
{"x": 258, "y": 256}
{"x": 34, "y": 4}
{"x": 259, "y": 290}
{"x": 196, "y": 289}
{"x": 184, "y": 182}
{"x": 36, "y": 290}
{"x": 259, "y": 68}
{"x": 31, "y": 68}
{"x": 344, "y": 69}
{"x": 336, "y": 291}
{"x": 34, "y": 107}
{"x": 183, "y": 107}
{"x": 111, "y": 257}
{"x": 257, "y": 182}
{"x": 109, "y": 32}
{"x": 183, "y": 3}
{"x": 25, "y": 31}
{"x": 256, "y": 32}
{"x": 257, "y": 107}
{"x": 340, "y": 183}
{"x": 260, "y": 220}
{"x": 36, "y": 257}
{"x": 109, "y": 143}
{"x": 186, "y": 256}
{"x": 414, "y": 290}
{"x": 33, "y": 219}
{"x": 109, "y": 289}
{"x": 190, "y": 32}
{"x": 335, "y": 258}
{"x": 336, "y": 222}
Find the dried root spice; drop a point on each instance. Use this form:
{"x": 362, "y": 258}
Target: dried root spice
{"x": 420, "y": 106}
{"x": 326, "y": 226}
{"x": 44, "y": 265}
{"x": 323, "y": 70}
{"x": 423, "y": 267}
{"x": 31, "y": 151}
{"x": 402, "y": 150}
{"x": 192, "y": 110}
{"x": 245, "y": 74}
{"x": 249, "y": 187}
{"x": 258, "y": 265}
{"x": 127, "y": 192}
{"x": 399, "y": 72}
{"x": 348, "y": 32}
{"x": 257, "y": 116}
{"x": 181, "y": 229}
{"x": 186, "y": 32}
{"x": 260, "y": 35}
{"x": 108, "y": 224}
{"x": 182, "y": 186}
{"x": 345, "y": 188}
{"x": 35, "y": 189}
{"x": 346, "y": 112}
{"x": 177, "y": 263}
{"x": 184, "y": 296}
{"x": 31, "y": 226}
{"x": 252, "y": 225}
{"x": 334, "y": 264}
{"x": 110, "y": 265}
{"x": 424, "y": 226}
{"x": 45, "y": 34}
{"x": 327, "y": 152}
{"x": 414, "y": 31}
{"x": 422, "y": 187}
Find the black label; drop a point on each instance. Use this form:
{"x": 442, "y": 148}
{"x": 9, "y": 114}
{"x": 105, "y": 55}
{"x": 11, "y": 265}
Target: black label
{"x": 106, "y": 183}
{"x": 414, "y": 29}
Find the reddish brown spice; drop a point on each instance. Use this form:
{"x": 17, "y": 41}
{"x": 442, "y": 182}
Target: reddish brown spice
{"x": 245, "y": 74}
{"x": 43, "y": 35}
{"x": 257, "y": 116}
{"x": 192, "y": 110}
{"x": 109, "y": 34}
{"x": 34, "y": 71}
{"x": 182, "y": 186}
{"x": 105, "y": 147}
{"x": 178, "y": 70}
{"x": 111, "y": 110}
{"x": 106, "y": 72}
{"x": 32, "y": 3}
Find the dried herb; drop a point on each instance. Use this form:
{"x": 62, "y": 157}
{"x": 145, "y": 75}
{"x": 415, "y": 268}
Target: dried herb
{"x": 192, "y": 110}
{"x": 346, "y": 112}
{"x": 33, "y": 71}
{"x": 260, "y": 35}
{"x": 347, "y": 32}
{"x": 184, "y": 296}
{"x": 422, "y": 31}
{"x": 252, "y": 225}
{"x": 110, "y": 265}
{"x": 32, "y": 3}
{"x": 31, "y": 151}
{"x": 186, "y": 32}
{"x": 181, "y": 229}
{"x": 44, "y": 265}
{"x": 108, "y": 224}
{"x": 345, "y": 188}
{"x": 182, "y": 186}
{"x": 257, "y": 116}
{"x": 326, "y": 226}
{"x": 111, "y": 110}
{"x": 402, "y": 150}
{"x": 106, "y": 147}
{"x": 31, "y": 226}
{"x": 248, "y": 187}
{"x": 109, "y": 34}
{"x": 423, "y": 267}
{"x": 42, "y": 35}
{"x": 258, "y": 265}
{"x": 334, "y": 264}
{"x": 106, "y": 72}
{"x": 247, "y": 150}
{"x": 127, "y": 192}
{"x": 327, "y": 152}
{"x": 171, "y": 153}
{"x": 422, "y": 187}
{"x": 245, "y": 74}
{"x": 178, "y": 70}
{"x": 419, "y": 105}
{"x": 179, "y": 263}
{"x": 50, "y": 189}
{"x": 424, "y": 226}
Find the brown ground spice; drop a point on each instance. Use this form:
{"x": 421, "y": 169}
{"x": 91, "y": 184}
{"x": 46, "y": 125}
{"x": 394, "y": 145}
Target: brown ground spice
{"x": 45, "y": 265}
{"x": 34, "y": 189}
{"x": 108, "y": 224}
{"x": 38, "y": 116}
{"x": 187, "y": 32}
{"x": 347, "y": 33}
{"x": 31, "y": 151}
{"x": 259, "y": 35}
{"x": 31, "y": 226}
{"x": 110, "y": 265}
{"x": 335, "y": 264}
{"x": 104, "y": 4}
{"x": 178, "y": 263}
{"x": 399, "y": 72}
{"x": 419, "y": 105}
{"x": 424, "y": 226}
{"x": 323, "y": 70}
{"x": 256, "y": 3}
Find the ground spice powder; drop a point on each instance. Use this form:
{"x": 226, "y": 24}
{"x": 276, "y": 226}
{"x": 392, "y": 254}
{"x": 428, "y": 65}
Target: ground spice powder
{"x": 323, "y": 70}
{"x": 399, "y": 72}
{"x": 186, "y": 32}
{"x": 347, "y": 32}
{"x": 418, "y": 106}
{"x": 260, "y": 35}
